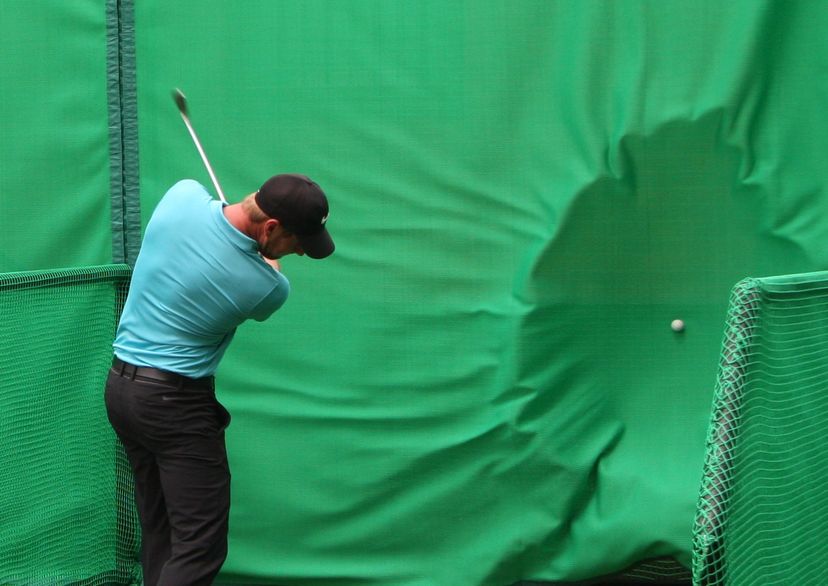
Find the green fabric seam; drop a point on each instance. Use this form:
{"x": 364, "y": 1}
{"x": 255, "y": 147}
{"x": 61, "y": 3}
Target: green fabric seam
{"x": 123, "y": 131}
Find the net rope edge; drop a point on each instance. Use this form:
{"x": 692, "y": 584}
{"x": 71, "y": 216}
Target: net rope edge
{"x": 711, "y": 513}
{"x": 66, "y": 276}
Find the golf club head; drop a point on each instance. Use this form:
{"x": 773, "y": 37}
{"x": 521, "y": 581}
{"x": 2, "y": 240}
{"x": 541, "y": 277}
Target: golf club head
{"x": 180, "y": 101}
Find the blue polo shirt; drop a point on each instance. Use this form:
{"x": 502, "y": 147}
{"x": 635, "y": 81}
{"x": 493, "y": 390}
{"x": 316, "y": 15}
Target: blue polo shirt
{"x": 195, "y": 280}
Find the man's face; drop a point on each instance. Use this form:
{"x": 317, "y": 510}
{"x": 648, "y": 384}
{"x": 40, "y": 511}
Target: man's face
{"x": 280, "y": 243}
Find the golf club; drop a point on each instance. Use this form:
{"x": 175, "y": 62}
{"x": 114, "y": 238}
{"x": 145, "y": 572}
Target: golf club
{"x": 181, "y": 102}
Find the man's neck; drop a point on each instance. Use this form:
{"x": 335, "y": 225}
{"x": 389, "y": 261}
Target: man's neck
{"x": 240, "y": 221}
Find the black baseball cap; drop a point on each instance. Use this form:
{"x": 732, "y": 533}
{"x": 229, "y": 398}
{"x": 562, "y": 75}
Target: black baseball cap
{"x": 302, "y": 208}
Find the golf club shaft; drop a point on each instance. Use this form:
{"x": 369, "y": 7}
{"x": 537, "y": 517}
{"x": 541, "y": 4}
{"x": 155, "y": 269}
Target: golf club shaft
{"x": 181, "y": 103}
{"x": 204, "y": 157}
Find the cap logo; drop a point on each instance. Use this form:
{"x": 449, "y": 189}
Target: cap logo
{"x": 324, "y": 219}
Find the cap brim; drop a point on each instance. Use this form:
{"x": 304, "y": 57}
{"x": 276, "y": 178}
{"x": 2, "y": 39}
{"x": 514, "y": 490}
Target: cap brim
{"x": 317, "y": 245}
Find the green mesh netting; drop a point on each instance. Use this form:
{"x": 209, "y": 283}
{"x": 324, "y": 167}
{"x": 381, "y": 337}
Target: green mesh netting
{"x": 762, "y": 508}
{"x": 66, "y": 508}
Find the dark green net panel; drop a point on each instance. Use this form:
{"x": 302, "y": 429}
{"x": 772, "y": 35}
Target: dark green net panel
{"x": 763, "y": 508}
{"x": 66, "y": 506}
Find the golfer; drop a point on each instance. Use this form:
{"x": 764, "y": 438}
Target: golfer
{"x": 204, "y": 268}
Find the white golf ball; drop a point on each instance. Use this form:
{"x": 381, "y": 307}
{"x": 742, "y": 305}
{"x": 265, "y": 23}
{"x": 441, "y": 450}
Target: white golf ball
{"x": 677, "y": 325}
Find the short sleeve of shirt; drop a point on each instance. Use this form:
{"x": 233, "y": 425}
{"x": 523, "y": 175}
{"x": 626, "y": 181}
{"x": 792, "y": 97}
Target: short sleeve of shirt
{"x": 272, "y": 301}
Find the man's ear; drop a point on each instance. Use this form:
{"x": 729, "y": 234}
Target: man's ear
{"x": 270, "y": 225}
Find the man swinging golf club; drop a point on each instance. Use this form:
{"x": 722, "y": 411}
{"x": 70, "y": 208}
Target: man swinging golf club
{"x": 204, "y": 268}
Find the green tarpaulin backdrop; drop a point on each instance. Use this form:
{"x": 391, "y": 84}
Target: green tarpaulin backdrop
{"x": 481, "y": 385}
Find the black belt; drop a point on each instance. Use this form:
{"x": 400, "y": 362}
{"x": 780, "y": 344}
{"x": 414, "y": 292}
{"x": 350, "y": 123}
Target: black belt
{"x": 127, "y": 370}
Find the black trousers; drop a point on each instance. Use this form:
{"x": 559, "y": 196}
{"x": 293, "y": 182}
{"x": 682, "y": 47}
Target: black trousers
{"x": 173, "y": 434}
